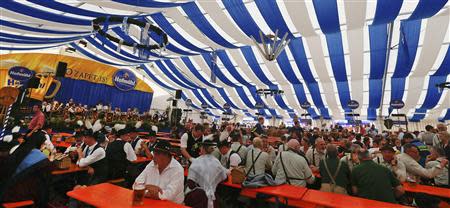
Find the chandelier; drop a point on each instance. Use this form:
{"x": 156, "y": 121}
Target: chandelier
{"x": 273, "y": 47}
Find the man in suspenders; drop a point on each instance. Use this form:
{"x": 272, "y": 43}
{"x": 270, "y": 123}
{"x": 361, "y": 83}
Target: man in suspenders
{"x": 227, "y": 157}
{"x": 258, "y": 161}
{"x": 316, "y": 154}
{"x": 291, "y": 168}
{"x": 236, "y": 145}
{"x": 93, "y": 157}
{"x": 389, "y": 161}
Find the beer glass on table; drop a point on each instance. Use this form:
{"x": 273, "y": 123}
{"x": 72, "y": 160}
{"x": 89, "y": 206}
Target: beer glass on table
{"x": 138, "y": 193}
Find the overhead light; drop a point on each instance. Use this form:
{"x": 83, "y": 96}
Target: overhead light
{"x": 83, "y": 43}
{"x": 70, "y": 50}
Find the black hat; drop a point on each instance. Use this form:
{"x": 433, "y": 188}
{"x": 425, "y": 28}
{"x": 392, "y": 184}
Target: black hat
{"x": 208, "y": 142}
{"x": 223, "y": 144}
{"x": 88, "y": 133}
{"x": 151, "y": 133}
{"x": 162, "y": 145}
{"x": 123, "y": 132}
{"x": 387, "y": 147}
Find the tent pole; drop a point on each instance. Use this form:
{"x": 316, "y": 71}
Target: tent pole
{"x": 386, "y": 66}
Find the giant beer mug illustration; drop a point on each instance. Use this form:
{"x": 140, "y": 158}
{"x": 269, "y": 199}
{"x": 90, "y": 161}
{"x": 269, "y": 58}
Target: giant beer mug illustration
{"x": 40, "y": 93}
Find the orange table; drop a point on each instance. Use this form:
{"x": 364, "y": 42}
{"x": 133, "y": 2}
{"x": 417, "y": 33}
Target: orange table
{"x": 72, "y": 169}
{"x": 328, "y": 199}
{"x": 284, "y": 191}
{"x": 61, "y": 144}
{"x": 431, "y": 190}
{"x": 112, "y": 196}
{"x": 251, "y": 193}
{"x": 63, "y": 134}
{"x": 142, "y": 160}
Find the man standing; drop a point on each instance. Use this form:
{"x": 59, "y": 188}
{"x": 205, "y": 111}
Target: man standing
{"x": 190, "y": 147}
{"x": 389, "y": 161}
{"x": 291, "y": 168}
{"x": 258, "y": 129}
{"x": 37, "y": 122}
{"x": 163, "y": 177}
{"x": 373, "y": 181}
{"x": 427, "y": 136}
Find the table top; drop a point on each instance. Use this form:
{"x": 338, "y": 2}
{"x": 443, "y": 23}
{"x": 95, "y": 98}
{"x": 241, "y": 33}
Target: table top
{"x": 285, "y": 191}
{"x": 72, "y": 169}
{"x": 431, "y": 190}
{"x": 111, "y": 196}
{"x": 343, "y": 201}
{"x": 169, "y": 139}
{"x": 62, "y": 144}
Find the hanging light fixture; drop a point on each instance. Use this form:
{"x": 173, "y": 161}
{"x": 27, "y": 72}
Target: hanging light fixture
{"x": 271, "y": 46}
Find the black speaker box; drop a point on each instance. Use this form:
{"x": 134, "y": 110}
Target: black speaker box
{"x": 174, "y": 103}
{"x": 34, "y": 82}
{"x": 61, "y": 69}
{"x": 178, "y": 94}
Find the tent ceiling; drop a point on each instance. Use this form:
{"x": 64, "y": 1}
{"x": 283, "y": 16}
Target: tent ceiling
{"x": 337, "y": 50}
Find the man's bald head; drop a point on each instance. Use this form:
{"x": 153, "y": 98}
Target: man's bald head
{"x": 257, "y": 142}
{"x": 293, "y": 144}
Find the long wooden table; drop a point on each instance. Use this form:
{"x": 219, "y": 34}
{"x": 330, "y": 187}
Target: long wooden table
{"x": 112, "y": 196}
{"x": 328, "y": 199}
{"x": 431, "y": 190}
{"x": 72, "y": 169}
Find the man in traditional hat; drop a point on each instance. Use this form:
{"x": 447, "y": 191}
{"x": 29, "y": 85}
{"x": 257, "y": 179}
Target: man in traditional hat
{"x": 164, "y": 176}
{"x": 119, "y": 154}
{"x": 146, "y": 147}
{"x": 205, "y": 173}
{"x": 92, "y": 156}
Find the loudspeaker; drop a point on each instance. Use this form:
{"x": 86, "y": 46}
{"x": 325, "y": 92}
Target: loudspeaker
{"x": 174, "y": 103}
{"x": 178, "y": 94}
{"x": 34, "y": 82}
{"x": 175, "y": 117}
{"x": 388, "y": 123}
{"x": 61, "y": 69}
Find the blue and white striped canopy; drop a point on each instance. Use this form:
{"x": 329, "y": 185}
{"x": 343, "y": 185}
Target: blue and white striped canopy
{"x": 338, "y": 50}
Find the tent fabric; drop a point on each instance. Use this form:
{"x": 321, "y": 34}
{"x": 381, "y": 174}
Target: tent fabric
{"x": 337, "y": 50}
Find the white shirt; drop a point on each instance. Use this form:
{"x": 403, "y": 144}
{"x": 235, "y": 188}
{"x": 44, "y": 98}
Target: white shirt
{"x": 235, "y": 159}
{"x": 171, "y": 180}
{"x": 224, "y": 135}
{"x": 92, "y": 157}
{"x": 128, "y": 149}
{"x": 48, "y": 142}
{"x": 138, "y": 146}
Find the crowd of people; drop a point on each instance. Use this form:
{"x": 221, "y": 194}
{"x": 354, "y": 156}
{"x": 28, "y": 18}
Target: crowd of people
{"x": 360, "y": 161}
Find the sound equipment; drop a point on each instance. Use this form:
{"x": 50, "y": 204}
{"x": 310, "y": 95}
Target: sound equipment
{"x": 388, "y": 123}
{"x": 178, "y": 94}
{"x": 61, "y": 69}
{"x": 174, "y": 103}
{"x": 175, "y": 117}
{"x": 34, "y": 82}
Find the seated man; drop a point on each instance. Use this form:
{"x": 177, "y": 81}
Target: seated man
{"x": 164, "y": 176}
{"x": 257, "y": 160}
{"x": 291, "y": 168}
{"x": 268, "y": 148}
{"x": 389, "y": 161}
{"x": 146, "y": 147}
{"x": 414, "y": 170}
{"x": 227, "y": 157}
{"x": 119, "y": 155}
{"x": 205, "y": 173}
{"x": 373, "y": 181}
{"x": 93, "y": 157}
{"x": 237, "y": 146}
{"x": 335, "y": 173}
{"x": 434, "y": 159}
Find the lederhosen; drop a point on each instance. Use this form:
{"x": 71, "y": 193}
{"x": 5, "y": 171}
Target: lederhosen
{"x": 100, "y": 168}
{"x": 288, "y": 179}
